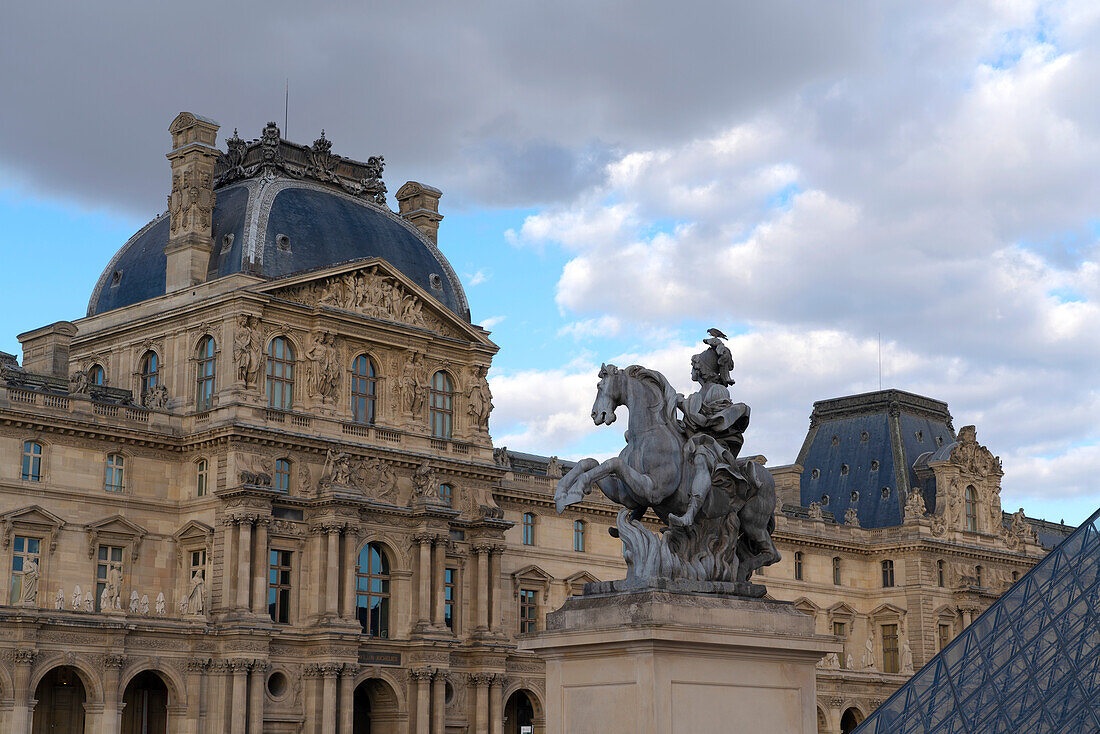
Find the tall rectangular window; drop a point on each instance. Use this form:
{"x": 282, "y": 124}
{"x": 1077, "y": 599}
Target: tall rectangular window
{"x": 578, "y": 536}
{"x": 528, "y": 528}
{"x": 113, "y": 479}
{"x": 441, "y": 405}
{"x": 836, "y": 571}
{"x": 446, "y": 493}
{"x": 363, "y": 389}
{"x": 282, "y": 475}
{"x": 278, "y": 588}
{"x": 32, "y": 461}
{"x": 890, "y": 648}
{"x": 109, "y": 563}
{"x": 840, "y": 629}
{"x": 528, "y": 610}
{"x": 201, "y": 478}
{"x": 887, "y": 574}
{"x": 449, "y": 597}
{"x": 944, "y": 635}
{"x": 204, "y": 395}
{"x": 24, "y": 556}
{"x": 798, "y": 565}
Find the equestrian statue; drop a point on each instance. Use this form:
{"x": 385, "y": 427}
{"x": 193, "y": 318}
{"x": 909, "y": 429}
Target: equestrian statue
{"x": 681, "y": 461}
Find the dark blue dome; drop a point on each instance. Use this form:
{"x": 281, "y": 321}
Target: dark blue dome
{"x": 274, "y": 227}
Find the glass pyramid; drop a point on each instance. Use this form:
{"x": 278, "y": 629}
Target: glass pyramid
{"x": 1029, "y": 665}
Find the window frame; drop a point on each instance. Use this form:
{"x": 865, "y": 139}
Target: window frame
{"x": 97, "y": 375}
{"x": 836, "y": 571}
{"x": 280, "y": 373}
{"x": 280, "y": 566}
{"x": 364, "y": 391}
{"x": 450, "y": 598}
{"x": 446, "y": 493}
{"x": 943, "y": 634}
{"x": 528, "y": 611}
{"x": 579, "y": 527}
{"x": 441, "y": 405}
{"x": 799, "y": 565}
{"x": 940, "y": 573}
{"x": 891, "y": 656}
{"x": 365, "y": 589}
{"x": 206, "y": 373}
{"x": 888, "y": 579}
{"x": 284, "y": 468}
{"x": 202, "y": 478}
{"x": 26, "y": 473}
{"x": 148, "y": 374}
{"x": 115, "y": 469}
{"x": 16, "y": 595}
{"x": 528, "y": 528}
{"x": 104, "y": 562}
{"x": 970, "y": 502}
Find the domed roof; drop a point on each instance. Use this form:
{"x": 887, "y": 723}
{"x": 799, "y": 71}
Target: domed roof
{"x": 274, "y": 225}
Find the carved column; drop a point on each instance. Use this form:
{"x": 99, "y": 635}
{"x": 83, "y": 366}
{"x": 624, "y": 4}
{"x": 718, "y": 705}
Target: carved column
{"x": 439, "y": 701}
{"x": 481, "y": 701}
{"x": 495, "y": 623}
{"x": 424, "y": 578}
{"x": 316, "y": 561}
{"x": 351, "y": 542}
{"x": 421, "y": 680}
{"x": 197, "y": 692}
{"x": 332, "y": 578}
{"x": 244, "y": 564}
{"x": 481, "y": 588}
{"x": 112, "y": 716}
{"x": 256, "y": 698}
{"x": 439, "y": 554}
{"x": 218, "y": 682}
{"x": 347, "y": 698}
{"x": 968, "y": 616}
{"x": 21, "y": 713}
{"x": 496, "y": 705}
{"x": 328, "y": 696}
{"x": 259, "y": 568}
{"x": 229, "y": 562}
{"x": 240, "y": 694}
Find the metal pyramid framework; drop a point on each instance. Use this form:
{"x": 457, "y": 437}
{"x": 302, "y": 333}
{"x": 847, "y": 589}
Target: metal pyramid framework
{"x": 1029, "y": 665}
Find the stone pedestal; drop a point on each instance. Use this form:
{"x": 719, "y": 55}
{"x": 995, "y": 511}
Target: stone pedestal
{"x": 660, "y": 662}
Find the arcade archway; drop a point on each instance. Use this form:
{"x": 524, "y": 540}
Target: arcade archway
{"x": 146, "y": 705}
{"x": 61, "y": 698}
{"x": 850, "y": 720}
{"x": 375, "y": 709}
{"x": 519, "y": 714}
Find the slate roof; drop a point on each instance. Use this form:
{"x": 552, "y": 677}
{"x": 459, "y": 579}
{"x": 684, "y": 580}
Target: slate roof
{"x": 1030, "y": 664}
{"x": 860, "y": 452}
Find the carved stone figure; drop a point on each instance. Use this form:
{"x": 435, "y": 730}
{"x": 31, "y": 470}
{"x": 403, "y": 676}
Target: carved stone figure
{"x": 501, "y": 458}
{"x": 868, "y": 661}
{"x": 425, "y": 483}
{"x": 830, "y": 661}
{"x": 30, "y": 581}
{"x": 162, "y": 607}
{"x": 481, "y": 398}
{"x": 89, "y": 602}
{"x": 113, "y": 588}
{"x": 323, "y": 378}
{"x": 412, "y": 385}
{"x": 972, "y": 457}
{"x": 718, "y": 508}
{"x": 78, "y": 598}
{"x": 914, "y": 504}
{"x": 906, "y": 658}
{"x": 815, "y": 511}
{"x": 59, "y": 601}
{"x": 246, "y": 350}
{"x": 553, "y": 468}
{"x": 80, "y": 383}
{"x": 851, "y": 517}
{"x": 196, "y": 597}
{"x": 157, "y": 398}
{"x": 134, "y": 602}
{"x": 848, "y": 661}
{"x": 105, "y": 599}
{"x": 379, "y": 480}
{"x": 337, "y": 469}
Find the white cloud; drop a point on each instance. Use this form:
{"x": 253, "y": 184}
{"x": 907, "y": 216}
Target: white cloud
{"x": 492, "y": 321}
{"x": 478, "y": 277}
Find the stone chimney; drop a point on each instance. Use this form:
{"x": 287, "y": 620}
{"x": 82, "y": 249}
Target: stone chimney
{"x": 419, "y": 204}
{"x": 46, "y": 350}
{"x": 191, "y": 203}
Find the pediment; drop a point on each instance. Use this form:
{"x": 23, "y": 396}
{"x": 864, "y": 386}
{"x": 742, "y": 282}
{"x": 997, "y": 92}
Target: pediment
{"x": 532, "y": 576}
{"x": 375, "y": 289}
{"x": 118, "y": 525}
{"x": 806, "y": 606}
{"x": 581, "y": 577}
{"x": 885, "y": 610}
{"x": 116, "y": 529}
{"x": 33, "y": 515}
{"x": 193, "y": 529}
{"x": 840, "y": 609}
{"x": 945, "y": 612}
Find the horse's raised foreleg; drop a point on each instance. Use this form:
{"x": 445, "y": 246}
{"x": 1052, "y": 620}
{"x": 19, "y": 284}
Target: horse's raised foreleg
{"x": 638, "y": 487}
{"x": 573, "y": 487}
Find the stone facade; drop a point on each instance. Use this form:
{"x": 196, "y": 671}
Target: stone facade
{"x": 282, "y": 507}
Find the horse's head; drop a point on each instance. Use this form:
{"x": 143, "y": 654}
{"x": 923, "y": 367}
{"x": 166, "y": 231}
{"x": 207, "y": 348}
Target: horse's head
{"x": 609, "y": 395}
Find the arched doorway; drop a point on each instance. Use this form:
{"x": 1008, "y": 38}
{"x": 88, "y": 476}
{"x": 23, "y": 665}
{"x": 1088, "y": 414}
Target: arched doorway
{"x": 850, "y": 720}
{"x": 60, "y": 708}
{"x": 146, "y": 705}
{"x": 374, "y": 708}
{"x": 822, "y": 723}
{"x": 519, "y": 714}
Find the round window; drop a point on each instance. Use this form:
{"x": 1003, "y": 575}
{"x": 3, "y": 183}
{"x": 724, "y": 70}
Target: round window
{"x": 277, "y": 684}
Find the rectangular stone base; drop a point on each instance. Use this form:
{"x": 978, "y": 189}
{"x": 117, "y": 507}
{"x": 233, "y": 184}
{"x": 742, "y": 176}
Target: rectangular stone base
{"x": 658, "y": 662}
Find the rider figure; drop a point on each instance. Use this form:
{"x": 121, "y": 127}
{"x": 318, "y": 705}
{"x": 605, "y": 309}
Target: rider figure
{"x": 714, "y": 426}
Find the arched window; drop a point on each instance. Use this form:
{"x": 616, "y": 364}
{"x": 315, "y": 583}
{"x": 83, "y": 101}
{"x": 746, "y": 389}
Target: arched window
{"x": 446, "y": 493}
{"x": 836, "y": 570}
{"x": 114, "y": 477}
{"x": 578, "y": 536}
{"x": 798, "y": 565}
{"x": 149, "y": 367}
{"x": 971, "y": 509}
{"x": 204, "y": 394}
{"x": 978, "y": 575}
{"x": 363, "y": 389}
{"x": 96, "y": 375}
{"x": 528, "y": 528}
{"x": 372, "y": 596}
{"x": 201, "y": 477}
{"x": 280, "y": 374}
{"x": 939, "y": 573}
{"x": 32, "y": 461}
{"x": 441, "y": 405}
{"x": 282, "y": 475}
{"x": 887, "y": 574}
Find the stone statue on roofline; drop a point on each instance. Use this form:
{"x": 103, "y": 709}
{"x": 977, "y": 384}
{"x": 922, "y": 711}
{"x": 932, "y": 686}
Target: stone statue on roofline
{"x": 681, "y": 461}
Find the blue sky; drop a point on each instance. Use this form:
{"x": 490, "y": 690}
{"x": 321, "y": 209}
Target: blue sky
{"x": 921, "y": 171}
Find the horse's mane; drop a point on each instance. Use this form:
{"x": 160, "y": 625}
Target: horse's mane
{"x": 668, "y": 393}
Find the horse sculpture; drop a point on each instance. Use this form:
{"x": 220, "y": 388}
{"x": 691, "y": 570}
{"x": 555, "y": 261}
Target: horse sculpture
{"x": 720, "y": 536}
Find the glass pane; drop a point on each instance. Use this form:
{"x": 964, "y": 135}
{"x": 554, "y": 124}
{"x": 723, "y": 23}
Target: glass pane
{"x": 32, "y": 545}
